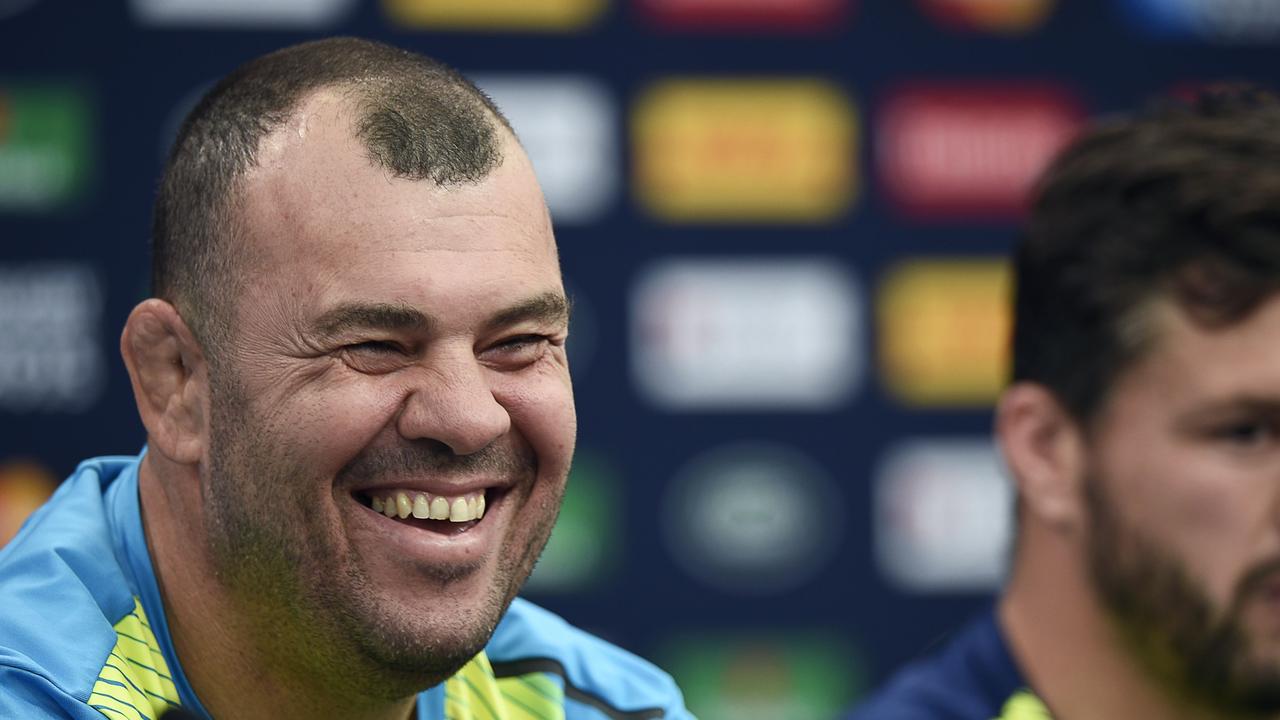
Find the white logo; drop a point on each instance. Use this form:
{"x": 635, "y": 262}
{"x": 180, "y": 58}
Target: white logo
{"x": 50, "y": 355}
{"x": 1247, "y": 20}
{"x": 752, "y": 518}
{"x": 943, "y": 516}
{"x": 568, "y": 125}
{"x": 1227, "y": 20}
{"x": 760, "y": 333}
{"x": 243, "y": 13}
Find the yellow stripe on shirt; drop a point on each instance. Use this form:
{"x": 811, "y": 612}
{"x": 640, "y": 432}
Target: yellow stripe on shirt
{"x": 533, "y": 697}
{"x": 473, "y": 693}
{"x": 135, "y": 682}
{"x": 1024, "y": 705}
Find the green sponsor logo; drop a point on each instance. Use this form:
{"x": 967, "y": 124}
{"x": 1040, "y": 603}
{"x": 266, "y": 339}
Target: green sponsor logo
{"x": 44, "y": 147}
{"x": 584, "y": 543}
{"x": 804, "y": 676}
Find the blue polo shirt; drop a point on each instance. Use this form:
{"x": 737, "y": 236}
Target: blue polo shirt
{"x": 83, "y": 632}
{"x": 974, "y": 677}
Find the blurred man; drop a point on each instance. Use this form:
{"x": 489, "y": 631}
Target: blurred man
{"x": 1142, "y": 430}
{"x": 359, "y": 421}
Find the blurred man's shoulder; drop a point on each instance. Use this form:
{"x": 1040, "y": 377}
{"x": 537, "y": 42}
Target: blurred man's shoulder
{"x": 972, "y": 677}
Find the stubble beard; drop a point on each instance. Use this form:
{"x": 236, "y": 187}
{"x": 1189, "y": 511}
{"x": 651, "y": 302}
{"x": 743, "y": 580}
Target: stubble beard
{"x": 1198, "y": 653}
{"x": 320, "y": 616}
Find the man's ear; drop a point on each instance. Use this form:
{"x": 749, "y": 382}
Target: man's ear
{"x": 1044, "y": 448}
{"x": 170, "y": 380}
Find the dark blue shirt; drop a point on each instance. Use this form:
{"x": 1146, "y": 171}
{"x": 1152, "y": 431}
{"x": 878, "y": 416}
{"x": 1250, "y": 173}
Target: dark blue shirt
{"x": 973, "y": 678}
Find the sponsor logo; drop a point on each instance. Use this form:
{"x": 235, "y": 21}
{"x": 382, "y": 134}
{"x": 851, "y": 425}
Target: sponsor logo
{"x": 1222, "y": 20}
{"x": 751, "y": 519}
{"x": 944, "y": 328}
{"x": 1001, "y": 16}
{"x": 943, "y": 516}
{"x": 585, "y": 543}
{"x": 746, "y": 333}
{"x": 51, "y": 359}
{"x": 550, "y": 15}
{"x": 44, "y": 147}
{"x": 24, "y": 486}
{"x": 747, "y": 150}
{"x": 568, "y": 125}
{"x": 805, "y": 675}
{"x": 770, "y": 15}
{"x": 243, "y": 13}
{"x": 970, "y": 151}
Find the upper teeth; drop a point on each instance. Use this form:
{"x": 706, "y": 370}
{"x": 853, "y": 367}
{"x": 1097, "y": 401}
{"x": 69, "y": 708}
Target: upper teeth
{"x": 402, "y": 504}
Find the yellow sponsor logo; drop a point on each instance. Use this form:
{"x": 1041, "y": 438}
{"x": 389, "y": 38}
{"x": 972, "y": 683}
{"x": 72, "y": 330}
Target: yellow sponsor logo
{"x": 944, "y": 331}
{"x": 24, "y": 486}
{"x": 753, "y": 150}
{"x": 545, "y": 15}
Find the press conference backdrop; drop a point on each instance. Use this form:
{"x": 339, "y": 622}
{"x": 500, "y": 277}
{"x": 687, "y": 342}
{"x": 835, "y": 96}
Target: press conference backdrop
{"x": 783, "y": 224}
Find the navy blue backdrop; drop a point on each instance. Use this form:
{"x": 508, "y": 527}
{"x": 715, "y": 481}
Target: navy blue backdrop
{"x": 782, "y": 223}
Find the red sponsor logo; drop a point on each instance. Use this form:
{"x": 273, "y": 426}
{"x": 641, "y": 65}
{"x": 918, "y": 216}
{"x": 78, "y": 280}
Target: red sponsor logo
{"x": 970, "y": 151}
{"x": 802, "y": 15}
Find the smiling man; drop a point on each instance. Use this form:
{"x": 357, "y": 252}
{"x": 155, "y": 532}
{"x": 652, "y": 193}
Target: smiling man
{"x": 1142, "y": 431}
{"x": 359, "y": 420}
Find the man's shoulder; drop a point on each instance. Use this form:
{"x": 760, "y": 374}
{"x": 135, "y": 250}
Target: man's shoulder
{"x": 973, "y": 677}
{"x": 594, "y": 672}
{"x": 61, "y": 592}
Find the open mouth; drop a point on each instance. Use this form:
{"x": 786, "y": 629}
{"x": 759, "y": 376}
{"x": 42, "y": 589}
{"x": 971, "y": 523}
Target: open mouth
{"x": 446, "y": 514}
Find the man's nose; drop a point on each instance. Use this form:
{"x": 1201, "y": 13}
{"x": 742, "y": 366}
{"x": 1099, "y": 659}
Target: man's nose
{"x": 452, "y": 403}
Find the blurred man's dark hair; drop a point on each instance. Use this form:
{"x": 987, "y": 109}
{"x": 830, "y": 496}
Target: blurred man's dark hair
{"x": 1173, "y": 202}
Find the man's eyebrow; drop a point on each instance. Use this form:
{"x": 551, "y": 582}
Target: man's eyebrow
{"x": 383, "y": 316}
{"x": 1256, "y": 405}
{"x": 549, "y": 307}
{"x": 1267, "y": 404}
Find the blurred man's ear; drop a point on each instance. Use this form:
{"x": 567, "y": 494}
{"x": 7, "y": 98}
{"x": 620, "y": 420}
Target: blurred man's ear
{"x": 169, "y": 376}
{"x": 1044, "y": 449}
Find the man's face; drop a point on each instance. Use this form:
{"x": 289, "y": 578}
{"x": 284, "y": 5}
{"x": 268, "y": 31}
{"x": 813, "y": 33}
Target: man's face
{"x": 397, "y": 342}
{"x": 1184, "y": 499}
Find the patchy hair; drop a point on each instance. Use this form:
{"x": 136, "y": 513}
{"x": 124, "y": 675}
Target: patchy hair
{"x": 416, "y": 117}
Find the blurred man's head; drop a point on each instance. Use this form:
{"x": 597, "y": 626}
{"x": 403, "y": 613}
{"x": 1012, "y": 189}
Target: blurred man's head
{"x": 365, "y": 373}
{"x": 1179, "y": 205}
{"x": 1147, "y": 323}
